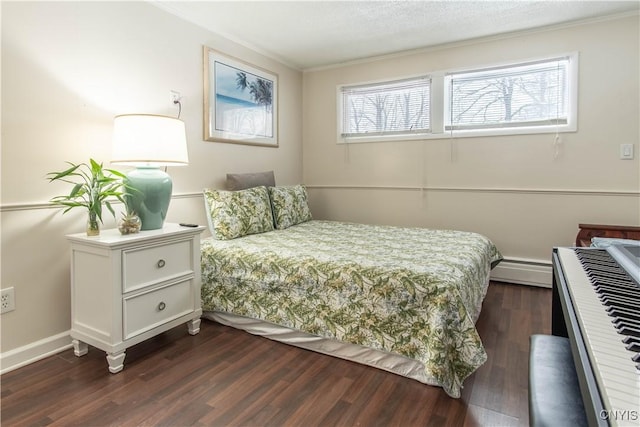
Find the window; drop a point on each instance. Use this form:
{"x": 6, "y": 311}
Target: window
{"x": 527, "y": 97}
{"x": 386, "y": 109}
{"x": 534, "y": 94}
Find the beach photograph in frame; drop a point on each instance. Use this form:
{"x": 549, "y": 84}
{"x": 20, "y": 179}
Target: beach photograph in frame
{"x": 240, "y": 101}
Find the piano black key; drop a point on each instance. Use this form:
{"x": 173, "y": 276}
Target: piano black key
{"x": 628, "y": 316}
{"x": 597, "y": 268}
{"x": 630, "y": 287}
{"x": 618, "y": 283}
{"x": 604, "y": 274}
{"x": 611, "y": 304}
{"x": 620, "y": 299}
{"x": 611, "y": 279}
{"x": 625, "y": 328}
{"x": 634, "y": 347}
{"x": 604, "y": 285}
{"x": 629, "y": 331}
{"x": 618, "y": 292}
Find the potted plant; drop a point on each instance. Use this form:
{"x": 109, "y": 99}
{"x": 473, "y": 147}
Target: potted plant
{"x": 92, "y": 185}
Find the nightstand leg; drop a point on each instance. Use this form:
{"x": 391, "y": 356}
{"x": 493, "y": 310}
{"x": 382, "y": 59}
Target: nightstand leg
{"x": 116, "y": 361}
{"x": 194, "y": 326}
{"x": 79, "y": 348}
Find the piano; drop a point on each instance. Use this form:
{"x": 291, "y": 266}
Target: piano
{"x": 596, "y": 304}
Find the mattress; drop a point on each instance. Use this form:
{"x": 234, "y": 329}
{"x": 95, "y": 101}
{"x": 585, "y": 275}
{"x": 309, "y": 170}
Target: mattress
{"x": 409, "y": 295}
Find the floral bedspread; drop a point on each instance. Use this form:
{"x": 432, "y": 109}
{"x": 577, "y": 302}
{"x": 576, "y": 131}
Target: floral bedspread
{"x": 412, "y": 291}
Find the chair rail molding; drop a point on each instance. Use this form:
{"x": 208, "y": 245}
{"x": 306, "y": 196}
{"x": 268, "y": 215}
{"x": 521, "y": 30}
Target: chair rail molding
{"x": 506, "y": 190}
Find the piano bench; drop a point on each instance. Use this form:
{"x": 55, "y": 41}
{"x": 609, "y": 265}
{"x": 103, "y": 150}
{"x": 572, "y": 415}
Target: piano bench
{"x": 554, "y": 393}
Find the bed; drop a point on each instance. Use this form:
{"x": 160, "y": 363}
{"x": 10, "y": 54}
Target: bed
{"x": 400, "y": 299}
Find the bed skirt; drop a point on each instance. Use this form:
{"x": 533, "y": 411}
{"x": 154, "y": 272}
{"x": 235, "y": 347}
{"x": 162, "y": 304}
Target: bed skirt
{"x": 386, "y": 361}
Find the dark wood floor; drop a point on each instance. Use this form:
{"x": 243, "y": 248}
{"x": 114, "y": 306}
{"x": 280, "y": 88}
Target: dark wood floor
{"x": 226, "y": 377}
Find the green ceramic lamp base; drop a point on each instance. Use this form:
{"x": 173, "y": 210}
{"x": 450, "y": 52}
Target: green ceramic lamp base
{"x": 150, "y": 196}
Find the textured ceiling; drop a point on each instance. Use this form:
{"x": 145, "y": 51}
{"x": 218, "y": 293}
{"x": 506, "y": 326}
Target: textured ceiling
{"x": 308, "y": 34}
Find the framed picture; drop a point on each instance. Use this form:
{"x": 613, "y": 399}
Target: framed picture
{"x": 240, "y": 101}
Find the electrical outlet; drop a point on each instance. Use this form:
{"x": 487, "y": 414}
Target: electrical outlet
{"x": 175, "y": 96}
{"x": 7, "y": 300}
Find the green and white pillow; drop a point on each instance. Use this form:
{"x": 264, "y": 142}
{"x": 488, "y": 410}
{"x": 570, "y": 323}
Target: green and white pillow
{"x": 290, "y": 205}
{"x": 234, "y": 214}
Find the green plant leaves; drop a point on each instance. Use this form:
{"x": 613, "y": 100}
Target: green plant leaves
{"x": 92, "y": 185}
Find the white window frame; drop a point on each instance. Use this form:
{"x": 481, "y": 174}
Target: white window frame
{"x": 439, "y": 104}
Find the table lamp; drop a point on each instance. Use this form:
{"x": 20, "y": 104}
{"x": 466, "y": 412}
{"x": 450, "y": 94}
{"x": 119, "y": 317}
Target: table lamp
{"x": 148, "y": 142}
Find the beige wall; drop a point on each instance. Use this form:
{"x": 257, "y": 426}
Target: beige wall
{"x": 67, "y": 69}
{"x": 513, "y": 189}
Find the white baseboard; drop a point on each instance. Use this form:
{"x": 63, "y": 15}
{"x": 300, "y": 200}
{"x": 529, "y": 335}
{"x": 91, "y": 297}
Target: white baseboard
{"x": 21, "y": 356}
{"x": 524, "y": 272}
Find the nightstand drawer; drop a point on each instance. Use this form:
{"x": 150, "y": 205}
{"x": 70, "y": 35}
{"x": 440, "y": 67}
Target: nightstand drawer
{"x": 146, "y": 266}
{"x": 148, "y": 310}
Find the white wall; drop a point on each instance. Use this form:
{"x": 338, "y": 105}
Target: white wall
{"x": 514, "y": 189}
{"x": 67, "y": 69}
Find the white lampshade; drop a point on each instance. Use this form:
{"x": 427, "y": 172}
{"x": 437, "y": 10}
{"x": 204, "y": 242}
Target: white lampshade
{"x": 146, "y": 139}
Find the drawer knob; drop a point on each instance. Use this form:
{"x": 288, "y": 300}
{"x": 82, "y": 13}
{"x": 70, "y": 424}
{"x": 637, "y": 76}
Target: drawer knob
{"x": 161, "y": 263}
{"x": 162, "y": 306}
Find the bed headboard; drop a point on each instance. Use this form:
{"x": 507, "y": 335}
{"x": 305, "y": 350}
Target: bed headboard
{"x": 242, "y": 181}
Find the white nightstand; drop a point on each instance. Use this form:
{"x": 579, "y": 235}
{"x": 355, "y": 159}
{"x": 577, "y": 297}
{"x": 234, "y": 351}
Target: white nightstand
{"x": 126, "y": 289}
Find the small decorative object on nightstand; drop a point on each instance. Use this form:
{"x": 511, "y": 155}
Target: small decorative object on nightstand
{"x": 128, "y": 288}
{"x": 130, "y": 223}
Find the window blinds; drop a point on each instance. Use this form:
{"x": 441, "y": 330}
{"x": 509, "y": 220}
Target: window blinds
{"x": 530, "y": 94}
{"x": 389, "y": 108}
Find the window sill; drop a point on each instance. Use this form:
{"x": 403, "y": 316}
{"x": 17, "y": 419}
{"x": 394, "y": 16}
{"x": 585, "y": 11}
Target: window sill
{"x": 460, "y": 134}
